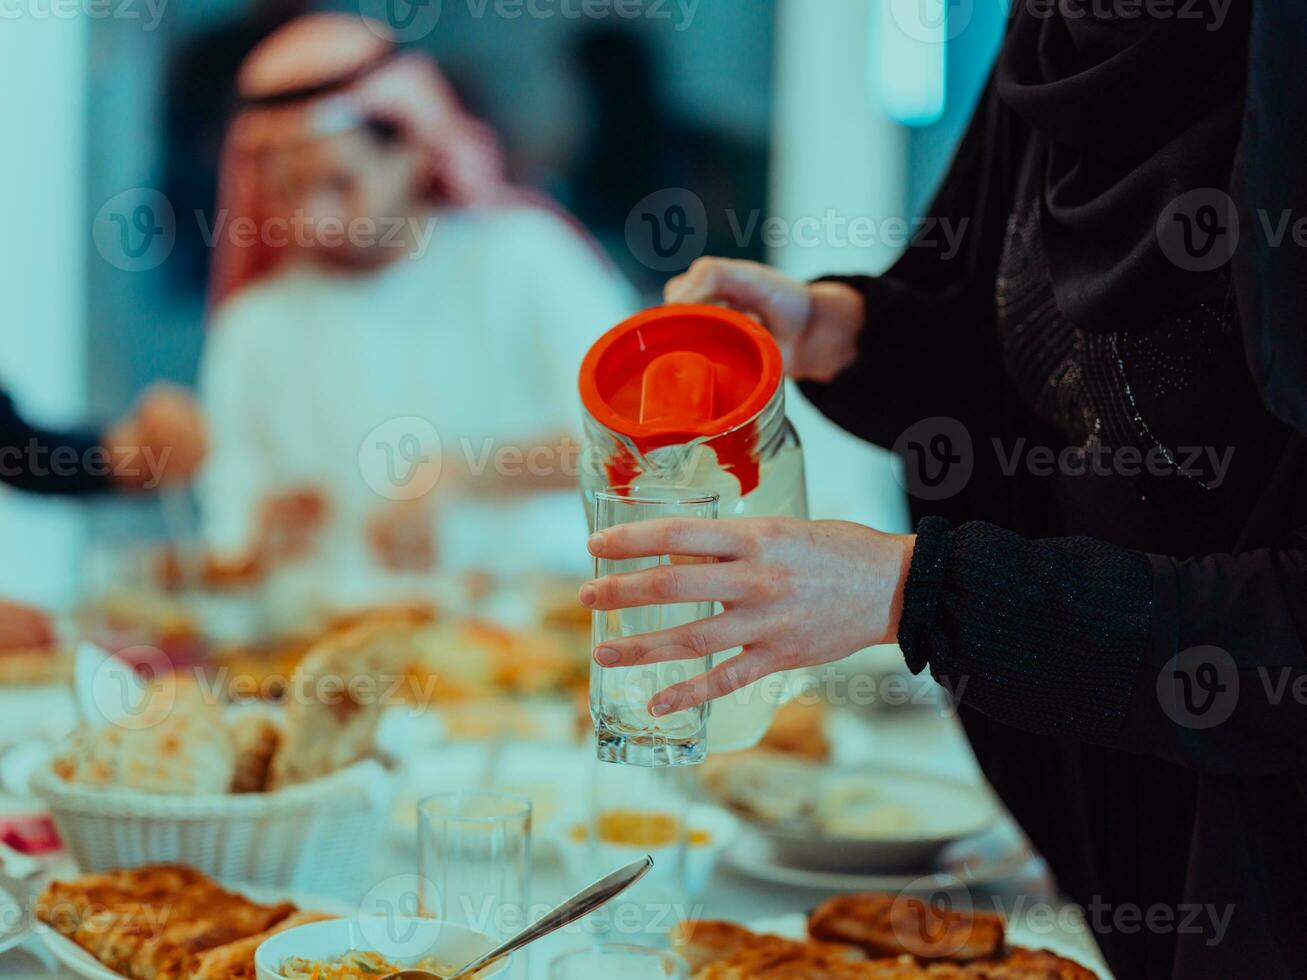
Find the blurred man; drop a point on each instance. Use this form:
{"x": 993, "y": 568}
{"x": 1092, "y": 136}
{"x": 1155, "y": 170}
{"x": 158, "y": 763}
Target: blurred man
{"x": 380, "y": 287}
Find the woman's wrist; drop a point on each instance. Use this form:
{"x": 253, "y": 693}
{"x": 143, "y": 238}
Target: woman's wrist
{"x": 829, "y": 345}
{"x": 888, "y": 557}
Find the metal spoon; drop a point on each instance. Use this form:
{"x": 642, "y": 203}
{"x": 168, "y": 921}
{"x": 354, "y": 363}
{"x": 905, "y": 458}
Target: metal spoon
{"x": 579, "y": 905}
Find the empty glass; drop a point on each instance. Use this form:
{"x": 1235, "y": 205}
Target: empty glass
{"x": 474, "y": 862}
{"x": 626, "y": 962}
{"x": 625, "y": 731}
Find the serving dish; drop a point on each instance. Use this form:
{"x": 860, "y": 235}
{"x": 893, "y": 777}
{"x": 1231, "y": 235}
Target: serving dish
{"x": 858, "y": 819}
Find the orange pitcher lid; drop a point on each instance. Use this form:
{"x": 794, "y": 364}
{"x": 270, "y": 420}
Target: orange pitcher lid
{"x": 676, "y": 373}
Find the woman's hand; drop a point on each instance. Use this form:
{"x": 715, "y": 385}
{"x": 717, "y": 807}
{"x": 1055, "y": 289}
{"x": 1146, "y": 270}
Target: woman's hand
{"x": 816, "y": 325}
{"x": 794, "y": 593}
{"x": 162, "y": 441}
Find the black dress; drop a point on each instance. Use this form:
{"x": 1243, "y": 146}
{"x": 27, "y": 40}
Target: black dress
{"x": 1123, "y": 625}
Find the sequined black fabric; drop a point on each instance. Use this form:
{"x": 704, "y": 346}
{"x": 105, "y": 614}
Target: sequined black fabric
{"x": 1094, "y": 387}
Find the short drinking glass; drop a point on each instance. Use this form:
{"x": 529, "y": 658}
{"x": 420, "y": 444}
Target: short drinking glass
{"x": 625, "y": 730}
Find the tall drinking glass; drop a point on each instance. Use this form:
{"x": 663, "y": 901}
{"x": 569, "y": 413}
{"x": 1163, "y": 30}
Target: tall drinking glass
{"x": 474, "y": 862}
{"x": 625, "y": 731}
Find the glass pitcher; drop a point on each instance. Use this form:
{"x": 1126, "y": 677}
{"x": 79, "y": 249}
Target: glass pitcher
{"x": 693, "y": 397}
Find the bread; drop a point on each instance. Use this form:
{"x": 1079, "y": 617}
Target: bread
{"x": 256, "y": 739}
{"x": 335, "y": 700}
{"x": 156, "y": 922}
{"x": 235, "y": 961}
{"x": 888, "y": 925}
{"x": 35, "y": 665}
{"x": 175, "y": 743}
{"x": 701, "y": 942}
{"x": 724, "y": 951}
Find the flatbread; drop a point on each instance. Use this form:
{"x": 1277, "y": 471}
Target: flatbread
{"x": 336, "y": 697}
{"x": 235, "y": 961}
{"x": 176, "y": 744}
{"x": 155, "y": 922}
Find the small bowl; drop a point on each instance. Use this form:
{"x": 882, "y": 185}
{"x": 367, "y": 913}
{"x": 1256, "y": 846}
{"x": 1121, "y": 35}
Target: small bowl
{"x": 579, "y": 856}
{"x": 400, "y": 939}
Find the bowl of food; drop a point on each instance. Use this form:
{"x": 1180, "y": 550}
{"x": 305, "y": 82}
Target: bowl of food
{"x": 370, "y": 946}
{"x": 626, "y": 835}
{"x": 867, "y": 818}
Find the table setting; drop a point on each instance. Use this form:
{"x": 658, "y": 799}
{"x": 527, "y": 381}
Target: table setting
{"x": 192, "y": 789}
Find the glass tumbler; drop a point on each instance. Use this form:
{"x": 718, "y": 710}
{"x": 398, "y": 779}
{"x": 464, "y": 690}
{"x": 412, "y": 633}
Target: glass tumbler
{"x": 474, "y": 863}
{"x": 625, "y": 731}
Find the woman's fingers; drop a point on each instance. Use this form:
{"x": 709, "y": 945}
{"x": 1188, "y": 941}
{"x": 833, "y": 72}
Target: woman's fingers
{"x": 782, "y": 303}
{"x": 725, "y": 678}
{"x": 696, "y": 537}
{"x": 667, "y": 584}
{"x": 688, "y": 642}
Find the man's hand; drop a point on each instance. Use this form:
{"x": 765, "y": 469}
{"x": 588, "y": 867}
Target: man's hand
{"x": 161, "y": 442}
{"x": 794, "y": 593}
{"x": 816, "y": 326}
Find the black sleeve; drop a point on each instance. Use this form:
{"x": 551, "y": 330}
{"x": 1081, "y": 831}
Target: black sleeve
{"x": 929, "y": 325}
{"x": 1199, "y": 662}
{"x": 43, "y": 461}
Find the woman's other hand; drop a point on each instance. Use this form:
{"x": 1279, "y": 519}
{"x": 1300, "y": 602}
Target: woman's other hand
{"x": 794, "y": 594}
{"x": 162, "y": 441}
{"x": 24, "y": 627}
{"x": 816, "y": 325}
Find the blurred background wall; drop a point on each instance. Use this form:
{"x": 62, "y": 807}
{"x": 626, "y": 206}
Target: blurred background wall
{"x": 759, "y": 108}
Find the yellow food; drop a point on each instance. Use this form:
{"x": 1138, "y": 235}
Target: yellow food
{"x": 356, "y": 965}
{"x": 637, "y": 828}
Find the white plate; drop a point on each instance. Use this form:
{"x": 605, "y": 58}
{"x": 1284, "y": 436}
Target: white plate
{"x": 796, "y": 927}
{"x": 82, "y": 963}
{"x": 937, "y": 812}
{"x": 998, "y": 855}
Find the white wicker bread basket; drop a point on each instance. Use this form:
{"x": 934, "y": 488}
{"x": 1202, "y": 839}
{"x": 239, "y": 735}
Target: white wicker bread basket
{"x": 318, "y": 837}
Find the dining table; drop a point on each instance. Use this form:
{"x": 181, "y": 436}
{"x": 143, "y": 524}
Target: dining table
{"x": 925, "y": 738}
